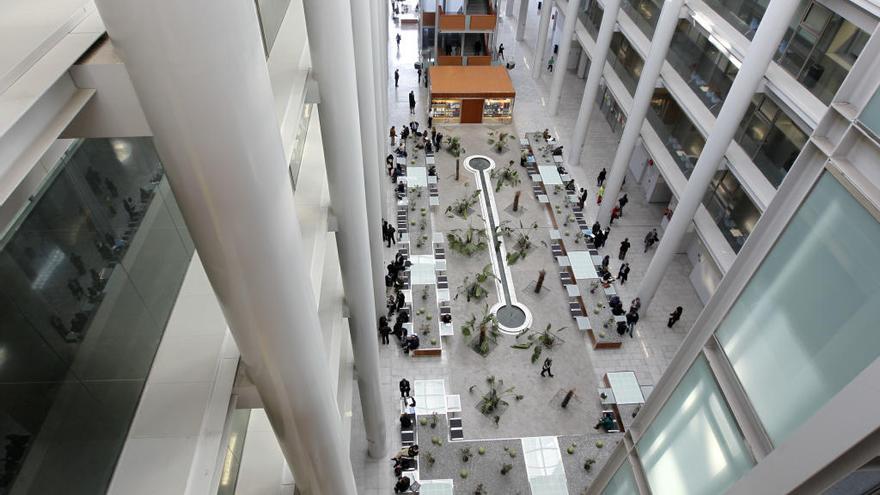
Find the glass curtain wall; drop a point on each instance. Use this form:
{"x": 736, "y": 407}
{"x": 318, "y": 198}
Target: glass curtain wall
{"x": 699, "y": 62}
{"x": 611, "y": 110}
{"x": 626, "y": 61}
{"x": 744, "y": 15}
{"x": 694, "y": 446}
{"x": 591, "y": 15}
{"x": 623, "y": 482}
{"x": 271, "y": 14}
{"x": 680, "y": 136}
{"x": 806, "y": 323}
{"x": 644, "y": 13}
{"x": 89, "y": 273}
{"x": 770, "y": 137}
{"x": 731, "y": 208}
{"x": 820, "y": 48}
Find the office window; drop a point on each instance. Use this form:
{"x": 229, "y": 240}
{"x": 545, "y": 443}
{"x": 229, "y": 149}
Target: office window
{"x": 820, "y": 48}
{"x": 622, "y": 483}
{"x": 806, "y": 323}
{"x": 770, "y": 137}
{"x": 870, "y": 116}
{"x": 731, "y": 209}
{"x": 694, "y": 447}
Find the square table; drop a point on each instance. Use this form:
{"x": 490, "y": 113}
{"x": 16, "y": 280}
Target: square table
{"x": 582, "y": 265}
{"x": 550, "y": 175}
{"x": 429, "y": 160}
{"x": 625, "y": 387}
{"x": 555, "y": 235}
{"x": 543, "y": 199}
{"x": 417, "y": 176}
{"x": 563, "y": 261}
{"x": 583, "y": 323}
{"x": 572, "y": 290}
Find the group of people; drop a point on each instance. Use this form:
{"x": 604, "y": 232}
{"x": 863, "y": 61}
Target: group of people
{"x": 632, "y": 315}
{"x": 389, "y": 236}
{"x": 405, "y": 459}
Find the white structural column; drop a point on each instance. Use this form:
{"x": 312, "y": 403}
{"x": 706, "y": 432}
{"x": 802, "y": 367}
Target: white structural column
{"x": 666, "y": 25}
{"x": 380, "y": 85}
{"x": 366, "y": 91}
{"x": 594, "y": 77}
{"x": 773, "y": 25}
{"x": 541, "y": 42}
{"x": 571, "y": 15}
{"x": 508, "y": 8}
{"x": 199, "y": 71}
{"x": 521, "y": 20}
{"x": 328, "y": 23}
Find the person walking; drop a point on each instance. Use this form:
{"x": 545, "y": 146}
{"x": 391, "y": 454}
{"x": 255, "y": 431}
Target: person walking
{"x": 412, "y": 103}
{"x": 385, "y": 226}
{"x": 398, "y": 41}
{"x": 599, "y": 194}
{"x": 674, "y": 316}
{"x": 392, "y": 239}
{"x": 384, "y": 331}
{"x": 606, "y": 261}
{"x": 404, "y": 388}
{"x": 501, "y": 51}
{"x": 393, "y": 134}
{"x": 396, "y": 77}
{"x": 636, "y": 305}
{"x": 615, "y": 214}
{"x": 539, "y": 8}
{"x": 546, "y": 367}
{"x": 551, "y": 62}
{"x": 623, "y": 273}
{"x": 419, "y": 72}
{"x": 631, "y": 319}
{"x": 596, "y": 228}
{"x": 399, "y": 300}
{"x": 600, "y": 179}
{"x": 624, "y": 247}
{"x": 622, "y": 202}
{"x": 582, "y": 199}
{"x": 651, "y": 238}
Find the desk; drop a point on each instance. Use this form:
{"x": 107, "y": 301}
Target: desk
{"x": 625, "y": 387}
{"x": 582, "y": 265}
{"x": 550, "y": 175}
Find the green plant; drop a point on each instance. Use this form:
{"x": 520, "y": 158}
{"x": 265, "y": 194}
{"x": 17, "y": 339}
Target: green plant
{"x": 465, "y": 454}
{"x": 463, "y": 473}
{"x": 588, "y": 464}
{"x": 425, "y": 328}
{"x": 493, "y": 401}
{"x": 481, "y": 450}
{"x": 504, "y": 229}
{"x": 571, "y": 448}
{"x": 599, "y": 444}
{"x": 453, "y": 146}
{"x": 462, "y": 207}
{"x": 436, "y": 441}
{"x": 499, "y": 140}
{"x": 539, "y": 341}
{"x": 484, "y": 331}
{"x": 506, "y": 468}
{"x": 417, "y": 191}
{"x": 423, "y": 421}
{"x": 480, "y": 490}
{"x": 433, "y": 341}
{"x": 467, "y": 242}
{"x": 433, "y": 420}
{"x": 473, "y": 288}
{"x": 424, "y": 293}
{"x": 429, "y": 458}
{"x": 507, "y": 175}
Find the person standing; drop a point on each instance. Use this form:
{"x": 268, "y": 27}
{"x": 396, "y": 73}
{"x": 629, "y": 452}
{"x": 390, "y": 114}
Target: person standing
{"x": 631, "y": 319}
{"x": 393, "y": 134}
{"x": 623, "y": 273}
{"x": 582, "y": 199}
{"x": 615, "y": 214}
{"x": 431, "y": 125}
{"x": 384, "y": 330}
{"x": 624, "y": 247}
{"x": 501, "y": 51}
{"x": 391, "y": 238}
{"x": 674, "y": 316}
{"x": 399, "y": 300}
{"x": 545, "y": 369}
{"x": 600, "y": 179}
{"x": 599, "y": 194}
{"x": 419, "y": 72}
{"x": 539, "y": 8}
{"x": 622, "y": 202}
{"x": 596, "y": 228}
{"x": 606, "y": 261}
{"x": 404, "y": 388}
{"x": 398, "y": 41}
{"x": 412, "y": 103}
{"x": 396, "y": 77}
{"x": 650, "y": 238}
{"x": 636, "y": 305}
{"x": 551, "y": 62}
{"x": 385, "y": 226}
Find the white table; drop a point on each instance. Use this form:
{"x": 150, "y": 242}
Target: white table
{"x": 625, "y": 387}
{"x": 550, "y": 175}
{"x": 582, "y": 265}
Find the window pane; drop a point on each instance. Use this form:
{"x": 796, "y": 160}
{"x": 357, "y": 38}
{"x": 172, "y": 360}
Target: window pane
{"x": 694, "y": 445}
{"x": 806, "y": 324}
{"x": 622, "y": 483}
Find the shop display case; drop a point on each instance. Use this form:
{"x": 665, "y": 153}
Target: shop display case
{"x": 446, "y": 110}
{"x": 498, "y": 110}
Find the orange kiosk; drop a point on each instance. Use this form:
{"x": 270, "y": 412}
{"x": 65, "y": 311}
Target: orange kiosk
{"x": 471, "y": 94}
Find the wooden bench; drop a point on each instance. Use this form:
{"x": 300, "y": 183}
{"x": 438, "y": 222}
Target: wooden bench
{"x": 431, "y": 351}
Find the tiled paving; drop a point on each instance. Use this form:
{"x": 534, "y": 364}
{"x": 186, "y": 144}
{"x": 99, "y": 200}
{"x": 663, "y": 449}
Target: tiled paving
{"x": 653, "y": 345}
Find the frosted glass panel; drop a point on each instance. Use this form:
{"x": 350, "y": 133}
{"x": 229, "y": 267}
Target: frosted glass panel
{"x": 806, "y": 323}
{"x": 694, "y": 447}
{"x": 622, "y": 483}
{"x": 871, "y": 114}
